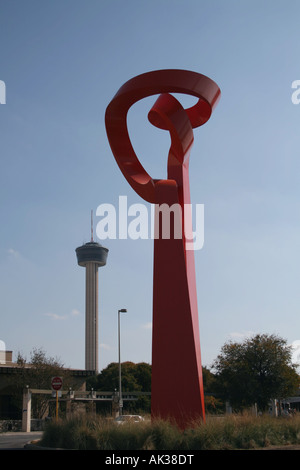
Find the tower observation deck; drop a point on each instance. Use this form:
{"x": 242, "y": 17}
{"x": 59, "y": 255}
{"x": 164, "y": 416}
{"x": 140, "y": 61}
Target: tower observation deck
{"x": 91, "y": 255}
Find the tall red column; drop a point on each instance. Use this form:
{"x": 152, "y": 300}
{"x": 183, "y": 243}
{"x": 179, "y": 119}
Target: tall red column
{"x": 177, "y": 387}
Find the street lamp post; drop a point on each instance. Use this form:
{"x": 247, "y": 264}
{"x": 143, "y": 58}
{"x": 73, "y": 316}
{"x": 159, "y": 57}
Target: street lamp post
{"x": 122, "y": 310}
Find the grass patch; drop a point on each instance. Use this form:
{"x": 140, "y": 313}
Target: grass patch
{"x": 229, "y": 432}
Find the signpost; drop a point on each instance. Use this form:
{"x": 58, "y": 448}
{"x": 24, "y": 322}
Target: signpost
{"x": 56, "y": 384}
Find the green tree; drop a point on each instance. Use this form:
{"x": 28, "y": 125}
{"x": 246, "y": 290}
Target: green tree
{"x": 37, "y": 374}
{"x": 255, "y": 371}
{"x": 135, "y": 378}
{"x": 213, "y": 404}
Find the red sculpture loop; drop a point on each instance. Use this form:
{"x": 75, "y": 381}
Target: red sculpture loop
{"x": 177, "y": 388}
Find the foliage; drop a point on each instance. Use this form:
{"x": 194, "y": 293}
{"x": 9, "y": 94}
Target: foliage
{"x": 135, "y": 378}
{"x": 255, "y": 371}
{"x": 38, "y": 371}
{"x": 37, "y": 374}
{"x": 219, "y": 433}
{"x": 213, "y": 404}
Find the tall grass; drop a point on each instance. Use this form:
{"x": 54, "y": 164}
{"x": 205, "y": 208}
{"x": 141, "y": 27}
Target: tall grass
{"x": 229, "y": 432}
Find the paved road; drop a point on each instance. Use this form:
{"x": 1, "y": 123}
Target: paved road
{"x": 17, "y": 440}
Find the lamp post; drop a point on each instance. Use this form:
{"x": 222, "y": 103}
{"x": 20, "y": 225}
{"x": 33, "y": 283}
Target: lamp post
{"x": 122, "y": 310}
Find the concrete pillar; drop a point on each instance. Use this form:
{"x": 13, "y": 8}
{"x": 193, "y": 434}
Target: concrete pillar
{"x": 26, "y": 410}
{"x": 274, "y": 407}
{"x": 228, "y": 408}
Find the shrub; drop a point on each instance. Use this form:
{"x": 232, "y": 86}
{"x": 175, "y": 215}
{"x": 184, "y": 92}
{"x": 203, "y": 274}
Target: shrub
{"x": 229, "y": 432}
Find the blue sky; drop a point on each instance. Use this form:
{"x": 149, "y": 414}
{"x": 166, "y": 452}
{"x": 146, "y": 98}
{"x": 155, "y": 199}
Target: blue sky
{"x": 62, "y": 62}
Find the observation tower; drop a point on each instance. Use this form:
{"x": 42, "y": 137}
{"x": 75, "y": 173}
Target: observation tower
{"x": 91, "y": 256}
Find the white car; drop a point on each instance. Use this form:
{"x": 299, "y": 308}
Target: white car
{"x": 129, "y": 419}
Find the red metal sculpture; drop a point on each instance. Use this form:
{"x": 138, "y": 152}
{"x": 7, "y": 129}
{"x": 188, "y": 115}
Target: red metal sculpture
{"x": 177, "y": 387}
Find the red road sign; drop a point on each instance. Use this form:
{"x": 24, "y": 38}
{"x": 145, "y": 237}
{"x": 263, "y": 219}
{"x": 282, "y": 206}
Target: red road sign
{"x": 56, "y": 383}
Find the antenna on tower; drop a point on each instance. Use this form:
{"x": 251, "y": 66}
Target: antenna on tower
{"x": 92, "y": 235}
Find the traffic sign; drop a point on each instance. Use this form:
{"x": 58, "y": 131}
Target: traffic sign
{"x": 56, "y": 383}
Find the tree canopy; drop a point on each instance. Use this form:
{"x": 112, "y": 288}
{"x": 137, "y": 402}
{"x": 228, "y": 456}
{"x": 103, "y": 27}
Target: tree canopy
{"x": 135, "y": 377}
{"x": 255, "y": 371}
{"x": 37, "y": 374}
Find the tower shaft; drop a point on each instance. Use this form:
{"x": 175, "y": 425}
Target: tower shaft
{"x": 91, "y": 317}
